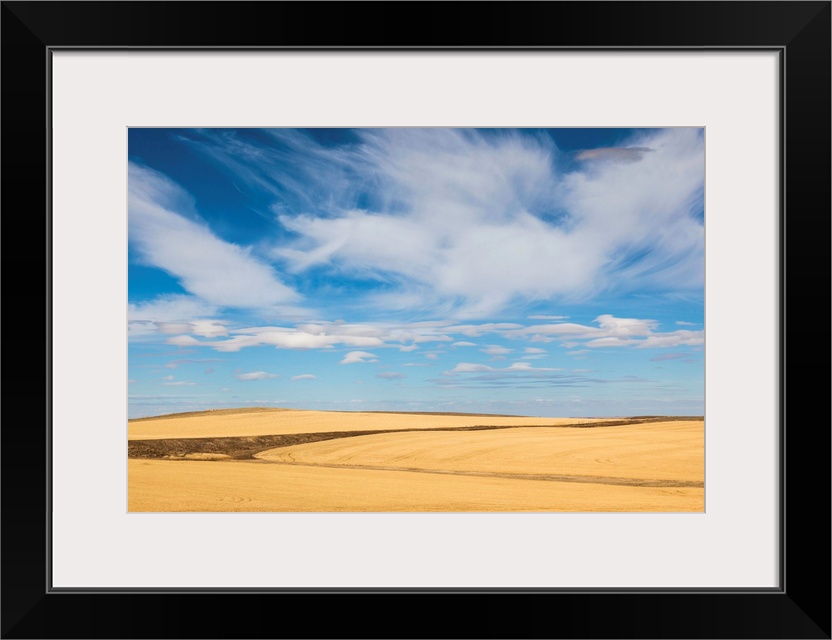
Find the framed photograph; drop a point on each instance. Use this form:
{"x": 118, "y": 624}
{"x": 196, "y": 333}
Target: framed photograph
{"x": 494, "y": 310}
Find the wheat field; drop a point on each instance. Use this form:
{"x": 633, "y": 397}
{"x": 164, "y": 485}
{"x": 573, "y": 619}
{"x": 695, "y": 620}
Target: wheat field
{"x": 292, "y": 460}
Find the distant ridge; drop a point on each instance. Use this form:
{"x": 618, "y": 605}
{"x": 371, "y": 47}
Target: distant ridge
{"x": 219, "y": 412}
{"x": 212, "y": 412}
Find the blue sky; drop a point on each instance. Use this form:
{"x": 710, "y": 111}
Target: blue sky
{"x": 548, "y": 272}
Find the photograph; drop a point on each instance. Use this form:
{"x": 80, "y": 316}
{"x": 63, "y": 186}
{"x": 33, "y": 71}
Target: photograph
{"x": 327, "y": 310}
{"x": 416, "y": 319}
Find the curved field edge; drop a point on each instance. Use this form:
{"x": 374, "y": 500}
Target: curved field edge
{"x": 293, "y": 421}
{"x": 246, "y": 447}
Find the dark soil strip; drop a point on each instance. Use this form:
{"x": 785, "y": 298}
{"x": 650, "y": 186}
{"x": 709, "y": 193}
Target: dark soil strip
{"x": 237, "y": 447}
{"x": 244, "y": 447}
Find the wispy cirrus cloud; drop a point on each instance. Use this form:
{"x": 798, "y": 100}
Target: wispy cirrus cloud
{"x": 613, "y": 154}
{"x": 481, "y": 219}
{"x": 165, "y": 231}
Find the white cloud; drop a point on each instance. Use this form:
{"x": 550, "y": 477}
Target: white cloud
{"x": 548, "y": 317}
{"x": 184, "y": 341}
{"x": 164, "y": 230}
{"x": 314, "y": 335}
{"x": 469, "y": 367}
{"x": 610, "y": 332}
{"x": 256, "y": 375}
{"x": 484, "y": 220}
{"x": 625, "y": 327}
{"x": 496, "y": 350}
{"x": 305, "y": 376}
{"x": 281, "y": 338}
{"x": 354, "y": 357}
{"x": 673, "y": 339}
{"x": 685, "y": 324}
{"x": 180, "y": 383}
{"x": 169, "y": 308}
{"x": 148, "y": 317}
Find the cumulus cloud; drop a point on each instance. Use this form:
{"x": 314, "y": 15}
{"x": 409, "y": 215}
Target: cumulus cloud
{"x": 256, "y": 375}
{"x": 204, "y": 328}
{"x": 166, "y": 233}
{"x": 354, "y": 357}
{"x": 496, "y": 350}
{"x": 685, "y": 324}
{"x": 390, "y": 375}
{"x": 673, "y": 339}
{"x": 611, "y": 331}
{"x": 184, "y": 341}
{"x": 315, "y": 335}
{"x": 305, "y": 376}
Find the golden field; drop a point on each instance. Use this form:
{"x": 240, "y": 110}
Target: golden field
{"x": 255, "y": 422}
{"x": 289, "y": 460}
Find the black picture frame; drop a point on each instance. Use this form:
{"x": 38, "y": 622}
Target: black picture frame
{"x": 798, "y": 608}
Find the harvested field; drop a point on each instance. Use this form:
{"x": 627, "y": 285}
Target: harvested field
{"x": 262, "y": 422}
{"x": 660, "y": 453}
{"x": 648, "y": 463}
{"x": 162, "y": 485}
